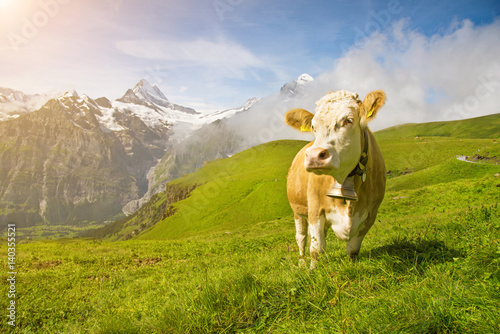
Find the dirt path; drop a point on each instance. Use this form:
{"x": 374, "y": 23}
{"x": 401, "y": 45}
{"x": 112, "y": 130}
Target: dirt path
{"x": 466, "y": 159}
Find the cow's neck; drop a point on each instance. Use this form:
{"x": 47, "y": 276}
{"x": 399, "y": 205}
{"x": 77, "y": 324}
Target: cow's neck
{"x": 360, "y": 168}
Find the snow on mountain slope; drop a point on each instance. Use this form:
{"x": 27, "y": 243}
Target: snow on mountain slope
{"x": 143, "y": 90}
{"x": 108, "y": 121}
{"x": 305, "y": 78}
{"x": 209, "y": 118}
{"x": 14, "y": 95}
{"x": 14, "y": 103}
{"x": 152, "y": 117}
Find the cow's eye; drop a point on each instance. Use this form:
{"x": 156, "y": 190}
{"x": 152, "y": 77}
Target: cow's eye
{"x": 313, "y": 128}
{"x": 348, "y": 121}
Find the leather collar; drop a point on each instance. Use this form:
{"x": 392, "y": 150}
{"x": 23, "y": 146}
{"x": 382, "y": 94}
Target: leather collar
{"x": 360, "y": 168}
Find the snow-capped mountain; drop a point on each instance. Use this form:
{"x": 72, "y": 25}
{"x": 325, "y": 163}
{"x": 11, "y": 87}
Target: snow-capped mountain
{"x": 143, "y": 100}
{"x": 153, "y": 108}
{"x": 143, "y": 91}
{"x": 295, "y": 88}
{"x": 91, "y": 159}
{"x": 151, "y": 96}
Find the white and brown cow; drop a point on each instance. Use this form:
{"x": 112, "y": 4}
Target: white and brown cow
{"x": 341, "y": 136}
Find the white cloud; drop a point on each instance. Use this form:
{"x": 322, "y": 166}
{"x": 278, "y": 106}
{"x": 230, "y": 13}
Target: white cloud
{"x": 441, "y": 77}
{"x": 225, "y": 57}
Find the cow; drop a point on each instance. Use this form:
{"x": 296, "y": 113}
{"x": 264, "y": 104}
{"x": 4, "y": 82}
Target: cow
{"x": 343, "y": 148}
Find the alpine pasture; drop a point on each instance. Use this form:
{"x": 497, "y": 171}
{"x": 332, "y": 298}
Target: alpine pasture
{"x": 223, "y": 258}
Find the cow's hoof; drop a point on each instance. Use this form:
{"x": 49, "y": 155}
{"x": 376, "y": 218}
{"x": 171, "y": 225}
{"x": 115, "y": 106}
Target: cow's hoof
{"x": 353, "y": 256}
{"x": 302, "y": 263}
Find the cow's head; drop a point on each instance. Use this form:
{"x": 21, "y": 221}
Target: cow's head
{"x": 338, "y": 126}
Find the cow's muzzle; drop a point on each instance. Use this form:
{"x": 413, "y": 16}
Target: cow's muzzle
{"x": 317, "y": 158}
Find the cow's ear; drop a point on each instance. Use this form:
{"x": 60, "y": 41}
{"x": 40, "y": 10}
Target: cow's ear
{"x": 371, "y": 104}
{"x": 299, "y": 119}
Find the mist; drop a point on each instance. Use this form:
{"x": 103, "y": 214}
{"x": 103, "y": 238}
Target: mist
{"x": 448, "y": 76}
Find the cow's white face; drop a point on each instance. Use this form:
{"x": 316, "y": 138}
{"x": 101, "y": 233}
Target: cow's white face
{"x": 337, "y": 127}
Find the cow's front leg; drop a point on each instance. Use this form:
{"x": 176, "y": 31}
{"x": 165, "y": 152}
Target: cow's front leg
{"x": 318, "y": 240}
{"x": 353, "y": 246}
{"x": 301, "y": 237}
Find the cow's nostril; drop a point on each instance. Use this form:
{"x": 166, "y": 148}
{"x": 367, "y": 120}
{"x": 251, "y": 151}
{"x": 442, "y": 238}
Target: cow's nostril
{"x": 323, "y": 155}
{"x": 317, "y": 156}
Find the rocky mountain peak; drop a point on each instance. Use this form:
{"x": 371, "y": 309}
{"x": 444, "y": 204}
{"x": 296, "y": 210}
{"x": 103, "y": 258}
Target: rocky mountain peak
{"x": 150, "y": 93}
{"x": 145, "y": 94}
{"x": 296, "y": 87}
{"x": 103, "y": 102}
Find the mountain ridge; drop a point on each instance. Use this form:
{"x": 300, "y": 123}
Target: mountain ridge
{"x": 110, "y": 156}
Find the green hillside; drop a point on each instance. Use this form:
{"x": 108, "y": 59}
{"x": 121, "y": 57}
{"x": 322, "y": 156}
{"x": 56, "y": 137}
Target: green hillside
{"x": 250, "y": 187}
{"x": 407, "y": 155}
{"x": 212, "y": 199}
{"x": 449, "y": 171}
{"x": 479, "y": 127}
{"x": 243, "y": 190}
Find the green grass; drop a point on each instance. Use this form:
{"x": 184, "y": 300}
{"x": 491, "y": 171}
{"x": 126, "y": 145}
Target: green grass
{"x": 225, "y": 260}
{"x": 42, "y": 232}
{"x": 449, "y": 171}
{"x": 435, "y": 274}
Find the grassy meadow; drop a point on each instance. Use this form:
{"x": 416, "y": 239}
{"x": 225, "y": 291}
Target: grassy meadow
{"x": 224, "y": 258}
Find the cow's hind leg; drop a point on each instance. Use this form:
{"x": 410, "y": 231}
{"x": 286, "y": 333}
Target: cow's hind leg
{"x": 301, "y": 236}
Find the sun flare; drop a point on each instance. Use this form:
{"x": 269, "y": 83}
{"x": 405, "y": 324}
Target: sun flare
{"x": 5, "y": 3}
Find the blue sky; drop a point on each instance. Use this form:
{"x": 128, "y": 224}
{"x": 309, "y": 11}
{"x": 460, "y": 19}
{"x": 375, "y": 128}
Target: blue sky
{"x": 215, "y": 54}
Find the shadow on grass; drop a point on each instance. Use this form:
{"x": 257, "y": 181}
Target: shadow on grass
{"x": 404, "y": 254}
